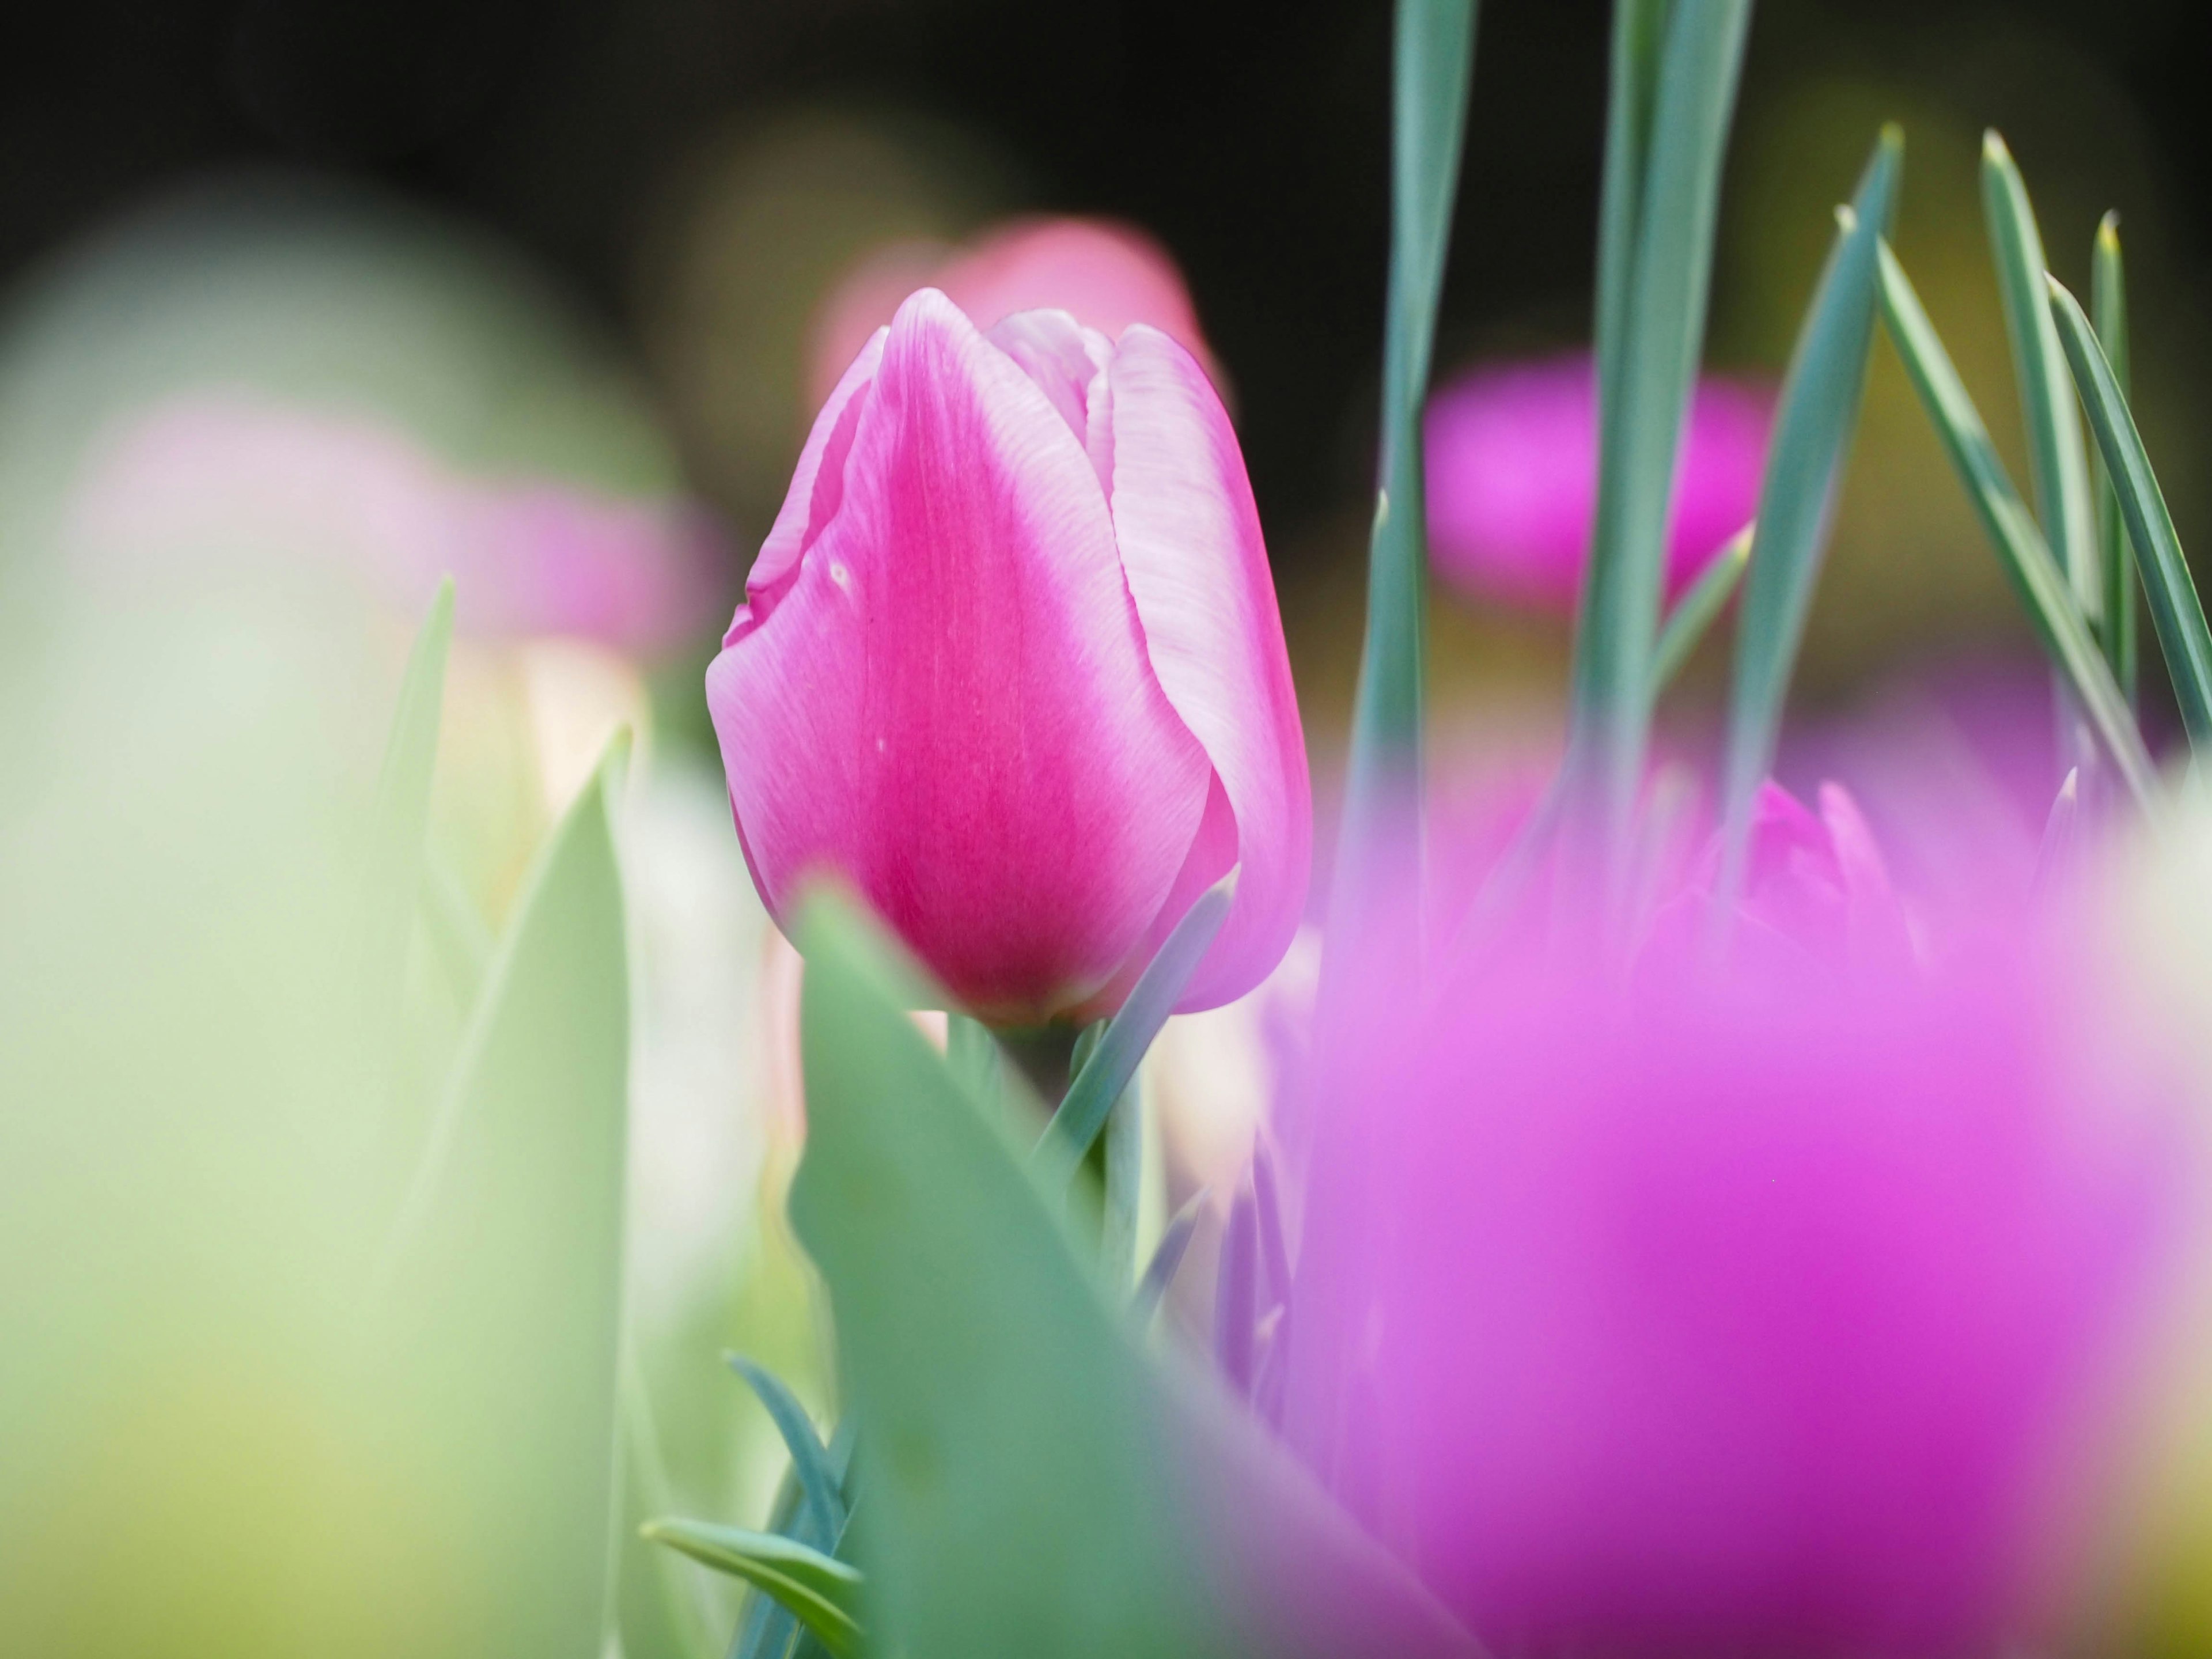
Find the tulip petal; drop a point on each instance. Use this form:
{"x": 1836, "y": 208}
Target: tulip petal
{"x": 1191, "y": 548}
{"x": 1059, "y": 354}
{"x": 812, "y": 501}
{"x": 950, "y": 704}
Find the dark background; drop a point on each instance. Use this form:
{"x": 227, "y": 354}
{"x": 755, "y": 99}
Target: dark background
{"x": 1250, "y": 137}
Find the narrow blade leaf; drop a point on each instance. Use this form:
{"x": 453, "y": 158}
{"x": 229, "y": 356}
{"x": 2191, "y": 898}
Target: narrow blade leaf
{"x": 1110, "y": 1064}
{"x": 2057, "y": 465}
{"x": 810, "y": 1458}
{"x": 1167, "y": 1257}
{"x": 1820, "y": 412}
{"x": 1652, "y": 349}
{"x": 822, "y": 1590}
{"x": 2011, "y": 528}
{"x": 1700, "y": 608}
{"x": 2108, "y": 308}
{"x": 1432, "y": 66}
{"x": 2176, "y": 614}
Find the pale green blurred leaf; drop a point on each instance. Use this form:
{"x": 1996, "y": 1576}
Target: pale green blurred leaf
{"x": 1030, "y": 1485}
{"x": 401, "y": 816}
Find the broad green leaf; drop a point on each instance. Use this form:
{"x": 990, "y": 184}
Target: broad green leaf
{"x": 1651, "y": 325}
{"x": 1433, "y": 63}
{"x": 2057, "y": 465}
{"x": 1111, "y": 1061}
{"x": 822, "y": 1590}
{"x": 1033, "y": 1486}
{"x": 2108, "y": 306}
{"x": 1694, "y": 614}
{"x": 2011, "y": 527}
{"x": 2176, "y": 614}
{"x": 1819, "y": 409}
{"x": 401, "y": 816}
{"x": 489, "y": 1338}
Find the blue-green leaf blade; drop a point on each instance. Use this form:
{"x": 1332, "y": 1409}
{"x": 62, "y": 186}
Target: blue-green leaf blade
{"x": 2108, "y": 308}
{"x": 2058, "y": 471}
{"x": 2019, "y": 546}
{"x": 810, "y": 1458}
{"x": 1693, "y": 615}
{"x": 1650, "y": 365}
{"x": 2177, "y": 615}
{"x": 823, "y": 1591}
{"x": 1112, "y": 1063}
{"x": 1819, "y": 412}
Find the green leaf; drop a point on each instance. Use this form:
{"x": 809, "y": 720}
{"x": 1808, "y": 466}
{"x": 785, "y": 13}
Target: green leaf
{"x": 1167, "y": 1257}
{"x": 822, "y": 1590}
{"x": 2011, "y": 527}
{"x": 1033, "y": 1486}
{"x": 1819, "y": 409}
{"x": 1433, "y": 63}
{"x": 810, "y": 1458}
{"x": 2108, "y": 305}
{"x": 490, "y": 1335}
{"x": 1651, "y": 326}
{"x": 1112, "y": 1062}
{"x": 2176, "y": 614}
{"x": 399, "y": 820}
{"x": 2057, "y": 467}
{"x": 1699, "y": 607}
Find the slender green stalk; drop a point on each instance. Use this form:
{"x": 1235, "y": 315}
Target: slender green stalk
{"x": 2108, "y": 306}
{"x": 2011, "y": 527}
{"x": 1820, "y": 410}
{"x": 1434, "y": 60}
{"x": 2176, "y": 616}
{"x": 1680, "y": 62}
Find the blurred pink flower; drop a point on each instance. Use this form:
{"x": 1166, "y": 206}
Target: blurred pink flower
{"x": 1512, "y": 477}
{"x": 1010, "y": 663}
{"x": 1104, "y": 274}
{"x": 1738, "y": 1309}
{"x": 227, "y": 475}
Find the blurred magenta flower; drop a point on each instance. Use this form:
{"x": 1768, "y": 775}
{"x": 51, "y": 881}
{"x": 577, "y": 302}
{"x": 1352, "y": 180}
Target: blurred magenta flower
{"x": 228, "y": 477}
{"x": 1104, "y": 274}
{"x": 1010, "y": 663}
{"x": 1739, "y": 1309}
{"x": 1512, "y": 477}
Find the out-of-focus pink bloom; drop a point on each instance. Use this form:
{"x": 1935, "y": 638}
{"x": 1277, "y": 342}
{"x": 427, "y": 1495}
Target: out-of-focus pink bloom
{"x": 1010, "y": 663}
{"x": 1512, "y": 477}
{"x": 229, "y": 476}
{"x": 1748, "y": 1309}
{"x": 1814, "y": 886}
{"x": 1104, "y": 274}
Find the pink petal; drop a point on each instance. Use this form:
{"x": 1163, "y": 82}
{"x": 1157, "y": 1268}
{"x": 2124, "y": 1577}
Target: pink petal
{"x": 1197, "y": 568}
{"x": 1059, "y": 354}
{"x": 949, "y": 704}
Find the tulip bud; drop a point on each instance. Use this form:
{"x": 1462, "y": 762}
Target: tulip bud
{"x": 1010, "y": 665}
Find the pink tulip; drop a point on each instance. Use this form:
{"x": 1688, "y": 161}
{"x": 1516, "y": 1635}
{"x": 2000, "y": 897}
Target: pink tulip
{"x": 1010, "y": 664}
{"x": 225, "y": 476}
{"x": 1736, "y": 1310}
{"x": 1512, "y": 478}
{"x": 1105, "y": 275}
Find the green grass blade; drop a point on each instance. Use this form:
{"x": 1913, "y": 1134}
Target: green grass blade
{"x": 1698, "y": 608}
{"x": 2057, "y": 464}
{"x": 810, "y": 1458}
{"x": 2108, "y": 306}
{"x": 1819, "y": 412}
{"x": 822, "y": 1590}
{"x": 1434, "y": 61}
{"x": 1654, "y": 318}
{"x": 1167, "y": 1257}
{"x": 2011, "y": 527}
{"x": 1639, "y": 29}
{"x": 2176, "y": 616}
{"x": 1112, "y": 1062}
